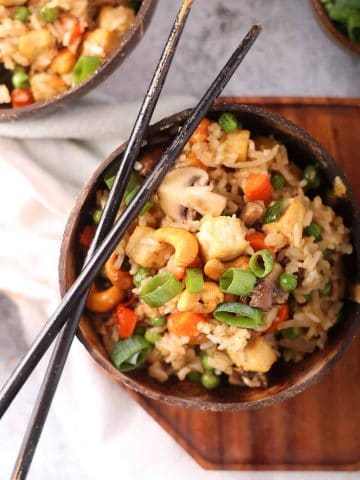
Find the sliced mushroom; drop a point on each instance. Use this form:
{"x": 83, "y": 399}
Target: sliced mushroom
{"x": 253, "y": 212}
{"x": 188, "y": 187}
{"x": 267, "y": 293}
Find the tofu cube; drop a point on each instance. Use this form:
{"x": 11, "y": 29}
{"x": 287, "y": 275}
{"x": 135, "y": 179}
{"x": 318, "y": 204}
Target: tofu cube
{"x": 99, "y": 42}
{"x": 116, "y": 19}
{"x": 46, "y": 85}
{"x": 257, "y": 356}
{"x": 222, "y": 237}
{"x": 35, "y": 43}
{"x": 237, "y": 143}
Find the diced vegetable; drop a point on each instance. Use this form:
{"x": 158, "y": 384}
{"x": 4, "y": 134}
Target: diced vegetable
{"x": 84, "y": 67}
{"x": 353, "y": 26}
{"x": 273, "y": 213}
{"x": 314, "y": 230}
{"x": 201, "y": 133}
{"x": 21, "y": 98}
{"x": 21, "y": 13}
{"x": 126, "y": 321}
{"x": 20, "y": 79}
{"x": 237, "y": 281}
{"x": 287, "y": 282}
{"x": 139, "y": 276}
{"x": 312, "y": 176}
{"x": 49, "y": 14}
{"x": 228, "y": 122}
{"x": 282, "y": 315}
{"x": 238, "y": 315}
{"x": 204, "y": 358}
{"x": 256, "y": 240}
{"x": 151, "y": 336}
{"x": 261, "y": 263}
{"x": 160, "y": 289}
{"x": 258, "y": 187}
{"x": 96, "y": 215}
{"x": 184, "y": 324}
{"x": 210, "y": 380}
{"x": 291, "y": 332}
{"x": 140, "y": 330}
{"x": 194, "y": 280}
{"x": 158, "y": 321}
{"x": 277, "y": 181}
{"x": 86, "y": 236}
{"x": 130, "y": 353}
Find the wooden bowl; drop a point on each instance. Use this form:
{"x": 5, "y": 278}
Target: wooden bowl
{"x": 285, "y": 380}
{"x": 128, "y": 43}
{"x": 330, "y": 28}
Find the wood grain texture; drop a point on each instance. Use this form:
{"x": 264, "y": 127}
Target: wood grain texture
{"x": 320, "y": 428}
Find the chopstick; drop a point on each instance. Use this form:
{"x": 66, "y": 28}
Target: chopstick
{"x": 88, "y": 274}
{"x": 62, "y": 347}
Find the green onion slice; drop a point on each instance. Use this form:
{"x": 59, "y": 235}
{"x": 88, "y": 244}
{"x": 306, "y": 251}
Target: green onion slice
{"x": 160, "y": 289}
{"x": 130, "y": 353}
{"x": 237, "y": 281}
{"x": 273, "y": 213}
{"x": 139, "y": 275}
{"x": 238, "y": 315}
{"x": 265, "y": 267}
{"x": 194, "y": 280}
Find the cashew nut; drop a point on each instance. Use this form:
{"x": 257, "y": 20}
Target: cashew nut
{"x": 101, "y": 301}
{"x": 203, "y": 302}
{"x": 119, "y": 278}
{"x": 145, "y": 250}
{"x": 214, "y": 268}
{"x": 185, "y": 244}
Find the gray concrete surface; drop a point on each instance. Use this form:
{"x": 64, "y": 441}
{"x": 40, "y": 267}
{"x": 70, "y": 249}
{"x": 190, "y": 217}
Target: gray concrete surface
{"x": 292, "y": 57}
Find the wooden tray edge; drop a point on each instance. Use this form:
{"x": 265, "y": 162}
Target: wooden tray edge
{"x": 303, "y": 101}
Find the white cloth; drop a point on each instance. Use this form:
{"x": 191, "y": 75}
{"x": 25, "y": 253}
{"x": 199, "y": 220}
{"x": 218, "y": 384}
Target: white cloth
{"x": 42, "y": 163}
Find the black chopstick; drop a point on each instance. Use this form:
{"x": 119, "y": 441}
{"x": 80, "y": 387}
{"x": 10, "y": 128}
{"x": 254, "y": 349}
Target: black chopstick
{"x": 62, "y": 347}
{"x": 88, "y": 274}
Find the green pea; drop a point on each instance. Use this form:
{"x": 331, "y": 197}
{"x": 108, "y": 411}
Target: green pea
{"x": 22, "y": 14}
{"x": 140, "y": 330}
{"x": 84, "y": 67}
{"x": 194, "y": 377}
{"x": 139, "y": 276}
{"x": 228, "y": 122}
{"x": 314, "y": 230}
{"x": 327, "y": 253}
{"x": 151, "y": 336}
{"x": 293, "y": 332}
{"x": 277, "y": 181}
{"x": 209, "y": 380}
{"x": 287, "y": 282}
{"x": 204, "y": 358}
{"x": 158, "y": 321}
{"x": 273, "y": 213}
{"x": 96, "y": 215}
{"x": 49, "y": 14}
{"x": 325, "y": 291}
{"x": 312, "y": 176}
{"x": 20, "y": 79}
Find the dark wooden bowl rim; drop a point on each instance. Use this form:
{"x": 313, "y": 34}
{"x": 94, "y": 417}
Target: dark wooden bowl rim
{"x": 128, "y": 43}
{"x": 206, "y": 400}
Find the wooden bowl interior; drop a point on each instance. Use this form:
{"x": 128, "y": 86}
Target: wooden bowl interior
{"x": 285, "y": 380}
{"x": 128, "y": 43}
{"x": 330, "y": 28}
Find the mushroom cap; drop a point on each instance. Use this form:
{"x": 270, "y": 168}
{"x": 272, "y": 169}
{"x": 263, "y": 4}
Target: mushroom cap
{"x": 188, "y": 187}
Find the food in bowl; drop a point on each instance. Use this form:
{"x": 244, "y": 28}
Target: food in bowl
{"x": 345, "y": 14}
{"x": 235, "y": 263}
{"x": 46, "y": 47}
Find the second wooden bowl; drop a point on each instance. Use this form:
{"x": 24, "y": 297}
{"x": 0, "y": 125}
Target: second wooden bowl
{"x": 128, "y": 43}
{"x": 285, "y": 380}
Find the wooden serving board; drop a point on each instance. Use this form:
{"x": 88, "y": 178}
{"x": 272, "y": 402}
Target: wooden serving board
{"x": 320, "y": 428}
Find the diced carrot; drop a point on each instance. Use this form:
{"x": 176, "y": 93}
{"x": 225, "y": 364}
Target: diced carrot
{"x": 201, "y": 133}
{"x": 256, "y": 240}
{"x": 196, "y": 263}
{"x": 86, "y": 236}
{"x": 258, "y": 187}
{"x": 21, "y": 98}
{"x": 126, "y": 321}
{"x": 193, "y": 160}
{"x": 282, "y": 316}
{"x": 184, "y": 324}
{"x": 71, "y": 29}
